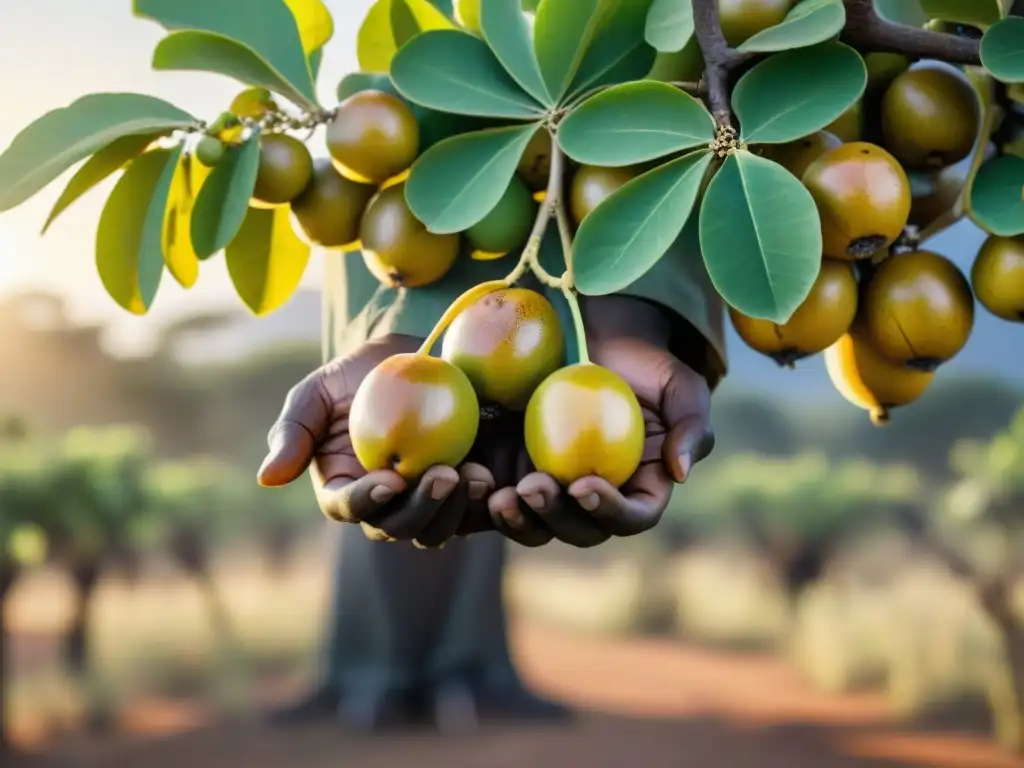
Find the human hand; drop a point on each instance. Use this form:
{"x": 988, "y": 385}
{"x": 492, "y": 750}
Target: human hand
{"x": 675, "y": 401}
{"x": 312, "y": 433}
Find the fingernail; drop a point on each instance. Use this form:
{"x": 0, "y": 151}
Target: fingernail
{"x": 685, "y": 464}
{"x": 477, "y": 489}
{"x": 442, "y": 488}
{"x": 382, "y": 494}
{"x": 589, "y": 501}
{"x": 535, "y": 501}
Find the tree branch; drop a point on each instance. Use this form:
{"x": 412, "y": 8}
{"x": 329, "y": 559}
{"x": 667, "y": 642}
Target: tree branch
{"x": 719, "y": 58}
{"x": 869, "y": 33}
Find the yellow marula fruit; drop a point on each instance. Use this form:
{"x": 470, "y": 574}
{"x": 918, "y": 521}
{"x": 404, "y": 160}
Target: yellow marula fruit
{"x": 742, "y": 19}
{"x": 930, "y": 118}
{"x": 285, "y": 170}
{"x": 535, "y": 165}
{"x": 411, "y": 413}
{"x": 585, "y": 420}
{"x": 253, "y": 103}
{"x": 397, "y": 249}
{"x": 330, "y": 209}
{"x": 592, "y": 184}
{"x": 373, "y": 137}
{"x": 825, "y": 315}
{"x": 507, "y": 343}
{"x": 997, "y": 276}
{"x": 796, "y": 156}
{"x": 870, "y": 381}
{"x": 863, "y": 199}
{"x": 917, "y": 310}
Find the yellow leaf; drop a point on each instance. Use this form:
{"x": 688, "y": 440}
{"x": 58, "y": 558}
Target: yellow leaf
{"x": 315, "y": 24}
{"x": 179, "y": 255}
{"x": 375, "y": 43}
{"x": 266, "y": 260}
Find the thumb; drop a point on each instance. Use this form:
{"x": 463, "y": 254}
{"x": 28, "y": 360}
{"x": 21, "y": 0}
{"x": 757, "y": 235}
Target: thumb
{"x": 686, "y": 411}
{"x": 293, "y": 438}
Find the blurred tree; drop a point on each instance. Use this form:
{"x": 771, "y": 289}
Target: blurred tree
{"x": 980, "y": 537}
{"x": 747, "y": 422}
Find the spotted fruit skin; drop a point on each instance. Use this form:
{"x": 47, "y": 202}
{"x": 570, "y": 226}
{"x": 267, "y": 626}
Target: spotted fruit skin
{"x": 585, "y": 420}
{"x": 411, "y": 413}
{"x": 507, "y": 343}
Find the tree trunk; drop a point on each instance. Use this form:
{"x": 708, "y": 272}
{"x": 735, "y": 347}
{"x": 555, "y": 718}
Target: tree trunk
{"x": 85, "y": 577}
{"x": 997, "y": 601}
{"x": 416, "y": 633}
{"x": 8, "y": 575}
{"x": 216, "y": 607}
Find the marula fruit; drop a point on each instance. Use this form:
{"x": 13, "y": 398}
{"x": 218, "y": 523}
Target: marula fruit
{"x": 917, "y": 309}
{"x": 373, "y": 137}
{"x": 413, "y": 412}
{"x": 285, "y": 169}
{"x": 585, "y": 420}
{"x": 997, "y": 276}
{"x": 330, "y": 209}
{"x": 507, "y": 343}
{"x": 825, "y": 315}
{"x": 870, "y": 381}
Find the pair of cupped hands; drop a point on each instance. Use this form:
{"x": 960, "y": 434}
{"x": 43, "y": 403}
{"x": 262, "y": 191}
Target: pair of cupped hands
{"x": 496, "y": 487}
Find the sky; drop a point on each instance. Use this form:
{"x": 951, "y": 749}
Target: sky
{"x": 52, "y": 52}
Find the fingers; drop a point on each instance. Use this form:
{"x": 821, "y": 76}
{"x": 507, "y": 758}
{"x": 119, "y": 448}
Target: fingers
{"x": 513, "y": 519}
{"x": 303, "y": 421}
{"x": 474, "y": 485}
{"x": 688, "y": 442}
{"x": 353, "y": 500}
{"x": 685, "y": 409}
{"x": 565, "y": 518}
{"x": 406, "y": 517}
{"x": 636, "y": 508}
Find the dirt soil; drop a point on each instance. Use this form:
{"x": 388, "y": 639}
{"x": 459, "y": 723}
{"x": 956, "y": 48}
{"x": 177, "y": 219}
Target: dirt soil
{"x": 643, "y": 703}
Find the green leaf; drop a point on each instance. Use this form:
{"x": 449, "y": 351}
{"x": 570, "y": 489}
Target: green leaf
{"x": 996, "y": 204}
{"x": 453, "y": 71}
{"x": 976, "y": 13}
{"x": 761, "y": 237}
{"x": 129, "y": 239}
{"x": 266, "y": 27}
{"x": 223, "y": 202}
{"x": 618, "y": 52}
{"x": 631, "y": 229}
{"x": 795, "y": 93}
{"x": 808, "y": 23}
{"x": 194, "y": 51}
{"x": 454, "y": 184}
{"x": 901, "y": 12}
{"x": 669, "y": 25}
{"x": 266, "y": 260}
{"x": 634, "y": 122}
{"x": 562, "y": 33}
{"x": 60, "y": 138}
{"x": 507, "y": 32}
{"x": 107, "y": 161}
{"x": 1002, "y": 50}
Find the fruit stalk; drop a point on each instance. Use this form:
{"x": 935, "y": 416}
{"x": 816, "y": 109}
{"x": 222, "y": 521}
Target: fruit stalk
{"x": 568, "y": 284}
{"x": 456, "y": 307}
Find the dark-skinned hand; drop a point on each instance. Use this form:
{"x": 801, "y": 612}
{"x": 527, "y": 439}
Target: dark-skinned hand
{"x": 629, "y": 337}
{"x": 312, "y": 433}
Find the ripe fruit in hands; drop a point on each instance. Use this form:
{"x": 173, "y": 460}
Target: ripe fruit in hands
{"x": 374, "y": 137}
{"x": 863, "y": 198}
{"x": 998, "y": 277}
{"x": 585, "y": 420}
{"x": 507, "y": 227}
{"x": 796, "y": 156}
{"x": 825, "y": 315}
{"x": 284, "y": 172}
{"x": 397, "y": 248}
{"x": 507, "y": 343}
{"x": 869, "y": 380}
{"x": 917, "y": 309}
{"x": 930, "y": 118}
{"x": 591, "y": 185}
{"x": 411, "y": 413}
{"x": 742, "y": 19}
{"x": 331, "y": 207}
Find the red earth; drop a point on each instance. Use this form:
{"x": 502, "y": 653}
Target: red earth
{"x": 643, "y": 703}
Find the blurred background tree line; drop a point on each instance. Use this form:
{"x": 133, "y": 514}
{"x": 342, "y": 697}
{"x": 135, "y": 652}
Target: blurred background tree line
{"x": 881, "y": 557}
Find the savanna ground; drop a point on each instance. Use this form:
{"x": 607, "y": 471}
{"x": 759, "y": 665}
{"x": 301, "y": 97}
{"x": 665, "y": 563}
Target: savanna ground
{"x": 698, "y": 687}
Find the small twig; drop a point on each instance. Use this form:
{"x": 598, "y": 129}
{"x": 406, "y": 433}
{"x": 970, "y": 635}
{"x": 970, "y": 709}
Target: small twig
{"x": 697, "y": 89}
{"x": 719, "y": 58}
{"x": 869, "y": 33}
